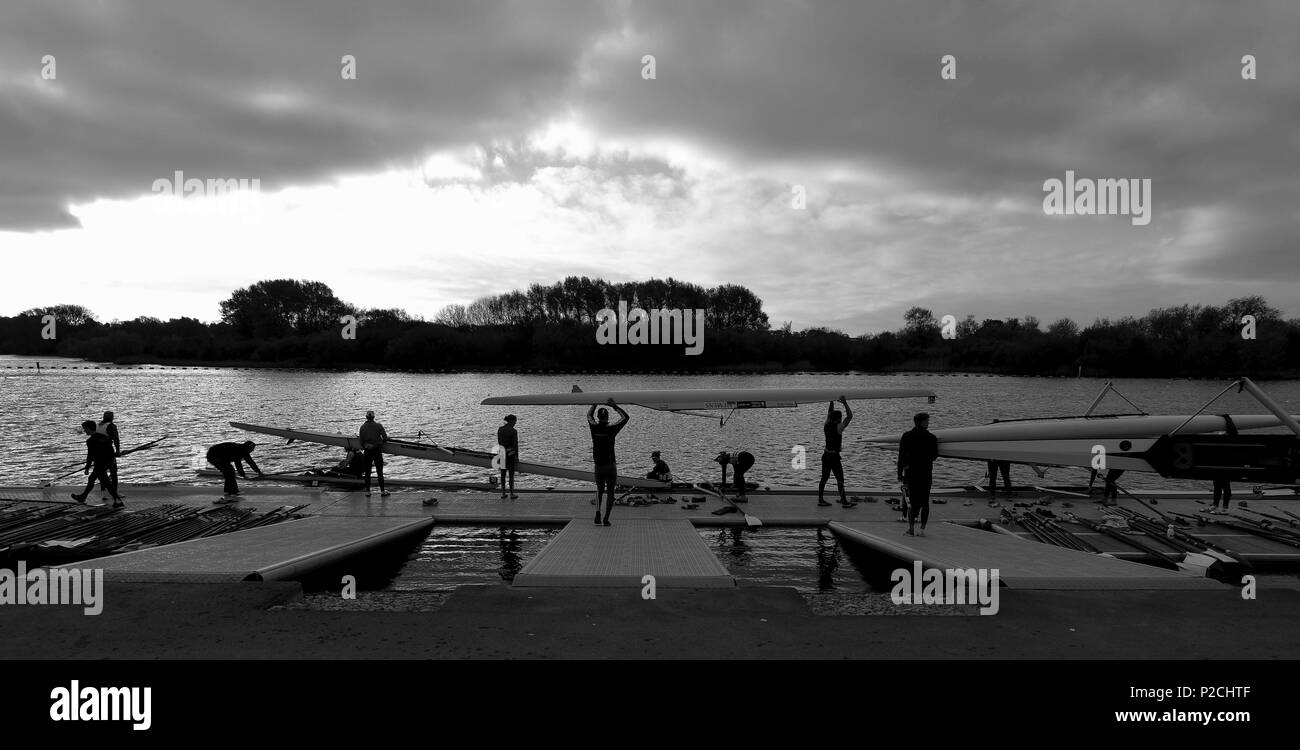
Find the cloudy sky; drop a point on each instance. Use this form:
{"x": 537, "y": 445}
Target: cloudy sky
{"x": 484, "y": 145}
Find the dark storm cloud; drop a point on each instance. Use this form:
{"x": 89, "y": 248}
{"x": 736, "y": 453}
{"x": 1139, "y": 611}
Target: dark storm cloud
{"x": 254, "y": 90}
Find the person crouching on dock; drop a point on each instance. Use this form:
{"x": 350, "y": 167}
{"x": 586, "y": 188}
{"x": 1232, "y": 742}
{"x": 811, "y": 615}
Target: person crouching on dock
{"x": 229, "y": 458}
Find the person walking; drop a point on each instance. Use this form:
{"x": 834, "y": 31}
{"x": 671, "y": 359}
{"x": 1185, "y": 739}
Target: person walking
{"x": 917, "y": 451}
{"x": 99, "y": 459}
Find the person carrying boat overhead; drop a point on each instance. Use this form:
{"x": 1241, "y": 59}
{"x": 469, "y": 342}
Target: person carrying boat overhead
{"x": 99, "y": 457}
{"x": 660, "y": 470}
{"x": 230, "y": 458}
{"x": 742, "y": 462}
{"x": 917, "y": 451}
{"x": 508, "y": 442}
{"x": 833, "y": 429}
{"x": 109, "y": 429}
{"x": 373, "y": 436}
{"x": 602, "y": 452}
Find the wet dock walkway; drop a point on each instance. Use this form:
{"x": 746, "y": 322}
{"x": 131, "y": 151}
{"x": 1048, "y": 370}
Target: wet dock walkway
{"x": 620, "y": 556}
{"x": 1021, "y": 564}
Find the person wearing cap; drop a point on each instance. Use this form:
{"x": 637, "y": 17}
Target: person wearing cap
{"x": 508, "y": 443}
{"x": 229, "y": 458}
{"x": 661, "y": 470}
{"x": 373, "y": 436}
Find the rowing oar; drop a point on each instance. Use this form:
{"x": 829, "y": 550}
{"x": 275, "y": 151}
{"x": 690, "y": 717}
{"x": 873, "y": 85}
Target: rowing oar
{"x": 80, "y": 465}
{"x": 750, "y": 521}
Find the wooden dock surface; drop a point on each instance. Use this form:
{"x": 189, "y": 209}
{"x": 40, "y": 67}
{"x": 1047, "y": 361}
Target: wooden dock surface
{"x": 586, "y": 555}
{"x": 281, "y": 551}
{"x": 1021, "y": 564}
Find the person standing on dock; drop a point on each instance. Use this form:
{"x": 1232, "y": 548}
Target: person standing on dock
{"x": 373, "y": 436}
{"x": 508, "y": 442}
{"x": 1222, "y": 491}
{"x": 833, "y": 429}
{"x": 996, "y": 467}
{"x": 108, "y": 428}
{"x": 99, "y": 457}
{"x": 229, "y": 458}
{"x": 917, "y": 451}
{"x": 602, "y": 452}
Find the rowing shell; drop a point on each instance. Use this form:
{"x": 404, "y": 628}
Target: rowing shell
{"x": 446, "y": 454}
{"x": 1087, "y": 428}
{"x": 708, "y": 398}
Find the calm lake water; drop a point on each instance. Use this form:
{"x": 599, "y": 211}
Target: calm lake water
{"x": 39, "y": 415}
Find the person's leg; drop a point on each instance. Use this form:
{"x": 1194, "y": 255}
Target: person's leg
{"x": 993, "y": 478}
{"x": 227, "y": 470}
{"x": 105, "y": 476}
{"x": 369, "y": 464}
{"x": 838, "y": 468}
{"x": 740, "y": 487}
{"x": 924, "y": 502}
{"x": 512, "y": 481}
{"x": 112, "y": 475}
{"x": 910, "y": 511}
{"x": 503, "y": 484}
{"x": 1227, "y": 495}
{"x": 600, "y": 490}
{"x": 90, "y": 485}
{"x": 1005, "y": 468}
{"x": 826, "y": 475}
{"x": 379, "y": 470}
{"x": 611, "y": 476}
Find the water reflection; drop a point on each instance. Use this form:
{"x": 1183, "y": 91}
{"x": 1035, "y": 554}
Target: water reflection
{"x": 807, "y": 559}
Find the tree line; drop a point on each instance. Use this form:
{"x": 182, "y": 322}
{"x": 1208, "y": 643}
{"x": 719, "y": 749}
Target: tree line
{"x": 287, "y": 322}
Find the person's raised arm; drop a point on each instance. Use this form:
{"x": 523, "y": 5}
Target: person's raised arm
{"x": 620, "y": 411}
{"x": 830, "y": 409}
{"x": 591, "y": 415}
{"x": 848, "y": 414}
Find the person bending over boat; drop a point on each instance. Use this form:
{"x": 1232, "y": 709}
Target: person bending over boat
{"x": 508, "y": 441}
{"x": 834, "y": 432}
{"x": 602, "y": 452}
{"x": 99, "y": 458}
{"x": 661, "y": 471}
{"x": 917, "y": 451}
{"x": 108, "y": 428}
{"x": 230, "y": 458}
{"x": 741, "y": 462}
{"x": 373, "y": 436}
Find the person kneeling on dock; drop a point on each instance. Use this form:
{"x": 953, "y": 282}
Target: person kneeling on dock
{"x": 229, "y": 458}
{"x": 661, "y": 471}
{"x": 917, "y": 451}
{"x": 99, "y": 456}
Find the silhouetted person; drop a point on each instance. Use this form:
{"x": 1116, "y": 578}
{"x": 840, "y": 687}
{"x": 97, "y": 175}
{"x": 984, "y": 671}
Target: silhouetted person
{"x": 741, "y": 462}
{"x": 107, "y": 427}
{"x": 996, "y": 467}
{"x": 661, "y": 471}
{"x": 373, "y": 436}
{"x": 99, "y": 458}
{"x": 508, "y": 439}
{"x": 917, "y": 451}
{"x": 833, "y": 429}
{"x": 230, "y": 458}
{"x": 602, "y": 452}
